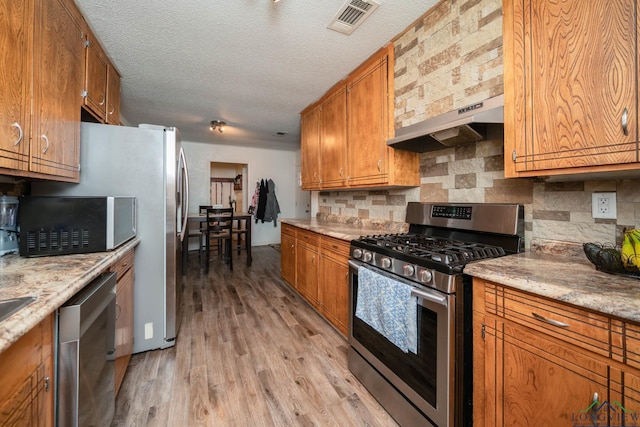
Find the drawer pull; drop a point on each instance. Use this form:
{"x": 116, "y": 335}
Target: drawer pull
{"x": 550, "y": 321}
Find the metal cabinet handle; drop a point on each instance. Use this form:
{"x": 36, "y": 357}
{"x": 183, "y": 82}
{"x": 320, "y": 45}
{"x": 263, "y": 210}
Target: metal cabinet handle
{"x": 112, "y": 110}
{"x": 341, "y": 171}
{"x": 550, "y": 321}
{"x": 20, "y": 132}
{"x": 102, "y": 99}
{"x": 380, "y": 165}
{"x": 46, "y": 140}
{"x": 118, "y": 311}
{"x": 625, "y": 121}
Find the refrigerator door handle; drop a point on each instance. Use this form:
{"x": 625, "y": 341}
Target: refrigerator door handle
{"x": 184, "y": 205}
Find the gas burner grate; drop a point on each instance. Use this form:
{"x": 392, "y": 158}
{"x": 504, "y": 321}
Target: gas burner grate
{"x": 435, "y": 249}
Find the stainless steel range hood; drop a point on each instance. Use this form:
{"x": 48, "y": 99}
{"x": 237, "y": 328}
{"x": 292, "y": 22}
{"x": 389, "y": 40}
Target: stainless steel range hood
{"x": 462, "y": 126}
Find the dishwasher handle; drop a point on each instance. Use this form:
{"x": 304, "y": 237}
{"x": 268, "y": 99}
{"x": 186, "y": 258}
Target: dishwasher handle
{"x": 77, "y": 314}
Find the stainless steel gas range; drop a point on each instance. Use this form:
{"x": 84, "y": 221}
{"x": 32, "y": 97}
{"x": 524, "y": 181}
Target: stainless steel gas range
{"x": 410, "y": 331}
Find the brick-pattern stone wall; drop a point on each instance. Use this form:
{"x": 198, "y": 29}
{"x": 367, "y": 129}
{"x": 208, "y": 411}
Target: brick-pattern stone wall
{"x": 450, "y": 58}
{"x": 368, "y": 206}
{"x": 467, "y": 68}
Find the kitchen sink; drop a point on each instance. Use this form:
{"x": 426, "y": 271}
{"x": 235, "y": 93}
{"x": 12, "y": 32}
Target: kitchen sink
{"x": 10, "y": 306}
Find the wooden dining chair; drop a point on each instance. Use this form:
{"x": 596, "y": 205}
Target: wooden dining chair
{"x": 200, "y": 233}
{"x": 218, "y": 240}
{"x": 242, "y": 236}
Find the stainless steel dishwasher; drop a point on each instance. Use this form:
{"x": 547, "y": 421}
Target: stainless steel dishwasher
{"x": 86, "y": 348}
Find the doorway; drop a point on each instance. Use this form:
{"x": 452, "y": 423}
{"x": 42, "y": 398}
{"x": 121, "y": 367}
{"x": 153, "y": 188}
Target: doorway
{"x": 228, "y": 185}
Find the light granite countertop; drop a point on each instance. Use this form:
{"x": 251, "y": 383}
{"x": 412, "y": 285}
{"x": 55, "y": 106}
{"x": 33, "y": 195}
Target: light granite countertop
{"x": 51, "y": 280}
{"x": 571, "y": 279}
{"x": 346, "y": 230}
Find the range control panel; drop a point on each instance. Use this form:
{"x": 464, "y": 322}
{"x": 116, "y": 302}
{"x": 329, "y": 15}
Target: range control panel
{"x": 455, "y": 212}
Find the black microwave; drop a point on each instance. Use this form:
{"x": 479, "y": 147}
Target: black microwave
{"x": 51, "y": 225}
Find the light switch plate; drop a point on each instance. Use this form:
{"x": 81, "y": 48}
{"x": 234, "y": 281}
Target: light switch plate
{"x": 603, "y": 205}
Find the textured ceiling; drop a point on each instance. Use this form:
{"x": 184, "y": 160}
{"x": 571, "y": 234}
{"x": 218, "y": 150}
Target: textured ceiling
{"x": 252, "y": 63}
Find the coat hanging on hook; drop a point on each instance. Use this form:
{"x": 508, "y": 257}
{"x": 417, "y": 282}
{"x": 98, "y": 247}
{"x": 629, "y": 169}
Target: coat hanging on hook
{"x": 272, "y": 208}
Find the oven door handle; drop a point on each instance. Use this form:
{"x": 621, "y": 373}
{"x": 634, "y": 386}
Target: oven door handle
{"x": 438, "y": 299}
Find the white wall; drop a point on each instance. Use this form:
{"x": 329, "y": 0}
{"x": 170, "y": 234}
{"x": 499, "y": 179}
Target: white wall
{"x": 278, "y": 165}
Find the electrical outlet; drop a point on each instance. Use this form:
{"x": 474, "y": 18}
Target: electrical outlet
{"x": 148, "y": 331}
{"x": 603, "y": 205}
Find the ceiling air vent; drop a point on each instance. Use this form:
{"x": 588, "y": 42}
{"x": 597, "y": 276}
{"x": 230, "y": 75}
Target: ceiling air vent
{"x": 351, "y": 15}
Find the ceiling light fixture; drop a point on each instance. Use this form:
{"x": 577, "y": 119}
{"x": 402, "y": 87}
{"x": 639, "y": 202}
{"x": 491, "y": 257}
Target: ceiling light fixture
{"x": 217, "y": 124}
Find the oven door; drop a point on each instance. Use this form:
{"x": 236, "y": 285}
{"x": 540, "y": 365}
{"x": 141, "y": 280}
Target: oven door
{"x": 425, "y": 378}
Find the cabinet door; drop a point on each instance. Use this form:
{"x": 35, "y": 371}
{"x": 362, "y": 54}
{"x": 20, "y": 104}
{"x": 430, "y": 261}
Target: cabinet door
{"x": 570, "y": 83}
{"x": 367, "y": 125}
{"x": 113, "y": 96}
{"x": 631, "y": 395}
{"x": 310, "y": 148}
{"x": 333, "y": 140}
{"x": 307, "y": 272}
{"x": 26, "y": 397}
{"x": 539, "y": 382}
{"x": 333, "y": 291}
{"x": 95, "y": 75}
{"x": 15, "y": 83}
{"x": 288, "y": 259}
{"x": 124, "y": 326}
{"x": 57, "y": 91}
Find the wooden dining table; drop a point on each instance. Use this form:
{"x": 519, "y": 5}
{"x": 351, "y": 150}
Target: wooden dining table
{"x": 195, "y": 218}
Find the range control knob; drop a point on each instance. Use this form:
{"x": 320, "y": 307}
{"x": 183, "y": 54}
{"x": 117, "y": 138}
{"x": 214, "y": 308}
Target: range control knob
{"x": 367, "y": 256}
{"x": 425, "y": 276}
{"x": 357, "y": 253}
{"x": 385, "y": 262}
{"x": 408, "y": 270}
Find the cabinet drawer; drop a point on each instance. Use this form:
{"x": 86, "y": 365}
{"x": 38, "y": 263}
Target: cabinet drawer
{"x": 122, "y": 265}
{"x": 308, "y": 238}
{"x": 579, "y": 327}
{"x": 335, "y": 248}
{"x": 288, "y": 230}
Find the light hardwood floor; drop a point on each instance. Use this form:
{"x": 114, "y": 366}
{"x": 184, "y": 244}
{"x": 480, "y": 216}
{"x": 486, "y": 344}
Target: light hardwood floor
{"x": 250, "y": 352}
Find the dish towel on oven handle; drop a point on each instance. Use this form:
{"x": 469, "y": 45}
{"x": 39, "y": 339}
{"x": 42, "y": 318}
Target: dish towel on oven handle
{"x": 387, "y": 306}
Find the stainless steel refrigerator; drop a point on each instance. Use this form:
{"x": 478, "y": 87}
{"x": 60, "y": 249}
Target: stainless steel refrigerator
{"x": 146, "y": 162}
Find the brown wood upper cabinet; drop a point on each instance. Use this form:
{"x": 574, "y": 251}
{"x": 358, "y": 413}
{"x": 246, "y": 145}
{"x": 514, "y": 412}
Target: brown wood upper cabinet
{"x": 571, "y": 86}
{"x": 101, "y": 84}
{"x": 344, "y": 134}
{"x": 333, "y": 139}
{"x": 324, "y": 141}
{"x": 113, "y": 96}
{"x": 310, "y": 148}
{"x": 40, "y": 89}
{"x": 95, "y": 77}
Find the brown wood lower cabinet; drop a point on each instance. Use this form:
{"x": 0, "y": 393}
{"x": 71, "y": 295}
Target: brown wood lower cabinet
{"x": 288, "y": 254}
{"x": 316, "y": 267}
{"x": 124, "y": 316}
{"x": 26, "y": 369}
{"x": 333, "y": 292}
{"x": 533, "y": 368}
